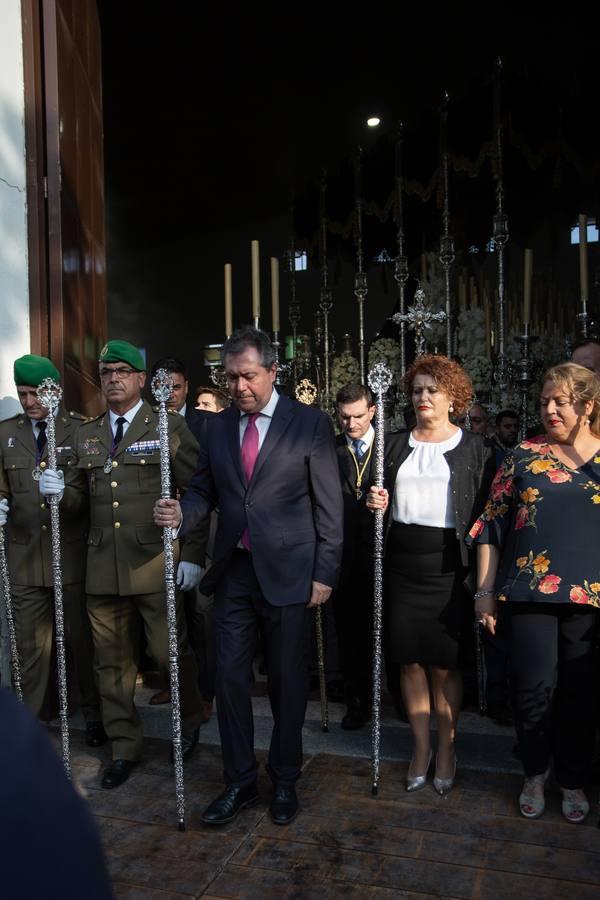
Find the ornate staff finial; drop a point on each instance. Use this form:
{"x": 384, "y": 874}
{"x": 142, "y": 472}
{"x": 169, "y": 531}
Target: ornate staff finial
{"x": 50, "y": 394}
{"x": 162, "y": 386}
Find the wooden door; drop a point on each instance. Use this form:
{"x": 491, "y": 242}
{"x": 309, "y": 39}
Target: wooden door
{"x": 63, "y": 102}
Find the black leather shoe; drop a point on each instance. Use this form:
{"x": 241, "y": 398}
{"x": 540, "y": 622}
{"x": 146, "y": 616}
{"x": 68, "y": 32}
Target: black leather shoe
{"x": 189, "y": 742}
{"x": 356, "y": 717}
{"x": 284, "y": 805}
{"x": 117, "y": 773}
{"x": 95, "y": 734}
{"x": 228, "y": 804}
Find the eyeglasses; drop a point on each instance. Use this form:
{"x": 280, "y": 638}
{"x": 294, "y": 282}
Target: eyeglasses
{"x": 120, "y": 372}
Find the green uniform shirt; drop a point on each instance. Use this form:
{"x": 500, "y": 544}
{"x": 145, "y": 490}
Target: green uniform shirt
{"x": 29, "y": 547}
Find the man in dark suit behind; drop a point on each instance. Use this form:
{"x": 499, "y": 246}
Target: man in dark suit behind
{"x": 269, "y": 464}
{"x": 352, "y": 600}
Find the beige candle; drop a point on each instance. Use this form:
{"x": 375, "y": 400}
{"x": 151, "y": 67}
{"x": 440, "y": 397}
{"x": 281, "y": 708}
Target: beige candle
{"x": 275, "y": 292}
{"x": 583, "y": 265}
{"x": 228, "y": 301}
{"x": 255, "y": 280}
{"x": 528, "y": 268}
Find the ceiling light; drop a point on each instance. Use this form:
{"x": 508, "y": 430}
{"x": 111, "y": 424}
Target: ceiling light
{"x": 373, "y": 121}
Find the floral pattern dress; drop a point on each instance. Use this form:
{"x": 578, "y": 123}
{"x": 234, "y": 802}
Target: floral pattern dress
{"x": 545, "y": 517}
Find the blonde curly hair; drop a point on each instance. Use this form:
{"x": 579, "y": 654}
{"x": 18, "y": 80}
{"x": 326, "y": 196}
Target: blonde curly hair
{"x": 582, "y": 384}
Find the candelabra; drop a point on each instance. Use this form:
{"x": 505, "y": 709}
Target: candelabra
{"x": 524, "y": 372}
{"x": 447, "y": 241}
{"x": 360, "y": 278}
{"x": 500, "y": 237}
{"x": 401, "y": 264}
{"x": 325, "y": 302}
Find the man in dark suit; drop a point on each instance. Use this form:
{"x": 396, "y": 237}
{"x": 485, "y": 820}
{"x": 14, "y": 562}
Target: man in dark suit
{"x": 353, "y": 600}
{"x": 269, "y": 464}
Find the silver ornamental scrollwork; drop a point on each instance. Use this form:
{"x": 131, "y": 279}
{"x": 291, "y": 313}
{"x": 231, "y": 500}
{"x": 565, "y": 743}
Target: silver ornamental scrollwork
{"x": 162, "y": 387}
{"x": 379, "y": 380}
{"x": 419, "y": 318}
{"x": 49, "y": 394}
{"x": 10, "y": 622}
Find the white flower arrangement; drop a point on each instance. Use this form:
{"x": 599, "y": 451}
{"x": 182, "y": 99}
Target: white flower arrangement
{"x": 387, "y": 351}
{"x": 345, "y": 369}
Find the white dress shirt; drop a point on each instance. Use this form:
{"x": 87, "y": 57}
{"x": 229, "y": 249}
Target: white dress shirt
{"x": 422, "y": 493}
{"x": 262, "y": 422}
{"x": 128, "y": 416}
{"x": 367, "y": 439}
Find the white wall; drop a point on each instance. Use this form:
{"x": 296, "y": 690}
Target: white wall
{"x": 14, "y": 288}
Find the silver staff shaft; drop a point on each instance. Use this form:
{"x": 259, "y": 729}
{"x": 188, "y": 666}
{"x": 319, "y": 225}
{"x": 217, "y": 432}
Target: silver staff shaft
{"x": 162, "y": 384}
{"x": 321, "y": 665}
{"x": 10, "y": 622}
{"x": 50, "y": 393}
{"x": 380, "y": 379}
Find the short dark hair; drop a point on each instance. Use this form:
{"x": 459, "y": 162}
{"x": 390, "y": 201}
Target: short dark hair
{"x": 220, "y": 399}
{"x": 506, "y": 414}
{"x": 172, "y": 365}
{"x": 247, "y": 336}
{"x": 352, "y": 392}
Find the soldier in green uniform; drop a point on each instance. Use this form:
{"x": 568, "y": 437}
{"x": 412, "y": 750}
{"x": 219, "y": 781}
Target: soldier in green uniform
{"x": 119, "y": 453}
{"x": 23, "y": 471}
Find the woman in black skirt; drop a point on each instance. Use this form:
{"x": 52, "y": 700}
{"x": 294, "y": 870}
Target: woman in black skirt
{"x": 436, "y": 479}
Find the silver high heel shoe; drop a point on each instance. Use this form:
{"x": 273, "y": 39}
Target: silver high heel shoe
{"x": 444, "y": 785}
{"x": 416, "y": 782}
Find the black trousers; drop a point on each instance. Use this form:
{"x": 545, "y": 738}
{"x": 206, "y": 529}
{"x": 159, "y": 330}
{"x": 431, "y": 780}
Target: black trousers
{"x": 241, "y": 612}
{"x": 553, "y": 687}
{"x": 353, "y": 607}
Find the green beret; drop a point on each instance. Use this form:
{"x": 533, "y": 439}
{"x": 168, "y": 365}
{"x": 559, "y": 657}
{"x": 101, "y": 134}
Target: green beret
{"x": 32, "y": 370}
{"x": 123, "y": 351}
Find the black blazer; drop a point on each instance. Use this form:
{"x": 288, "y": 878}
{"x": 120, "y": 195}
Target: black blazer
{"x": 358, "y": 522}
{"x": 292, "y": 505}
{"x": 472, "y": 468}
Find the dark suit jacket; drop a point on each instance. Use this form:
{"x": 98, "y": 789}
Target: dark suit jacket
{"x": 472, "y": 468}
{"x": 292, "y": 506}
{"x": 358, "y": 522}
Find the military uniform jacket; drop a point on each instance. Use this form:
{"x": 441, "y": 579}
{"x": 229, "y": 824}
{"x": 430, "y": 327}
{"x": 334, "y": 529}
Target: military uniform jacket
{"x": 29, "y": 544}
{"x": 125, "y": 548}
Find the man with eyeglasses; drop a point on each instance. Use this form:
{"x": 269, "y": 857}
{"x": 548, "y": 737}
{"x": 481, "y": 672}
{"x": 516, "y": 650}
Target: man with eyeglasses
{"x": 120, "y": 453}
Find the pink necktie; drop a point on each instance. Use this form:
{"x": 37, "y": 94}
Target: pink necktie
{"x": 249, "y": 453}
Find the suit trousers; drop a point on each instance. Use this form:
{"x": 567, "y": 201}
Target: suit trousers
{"x": 553, "y": 687}
{"x": 241, "y": 612}
{"x": 33, "y": 610}
{"x": 353, "y": 606}
{"x": 116, "y": 623}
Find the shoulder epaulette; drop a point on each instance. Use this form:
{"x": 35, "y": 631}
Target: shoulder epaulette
{"x": 12, "y": 418}
{"x": 79, "y": 417}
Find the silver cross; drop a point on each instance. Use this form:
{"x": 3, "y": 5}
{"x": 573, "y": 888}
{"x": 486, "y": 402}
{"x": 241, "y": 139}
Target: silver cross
{"x": 418, "y": 318}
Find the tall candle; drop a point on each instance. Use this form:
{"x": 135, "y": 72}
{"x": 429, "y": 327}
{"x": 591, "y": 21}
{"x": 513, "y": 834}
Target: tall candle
{"x": 528, "y": 268}
{"x": 255, "y": 280}
{"x": 275, "y": 292}
{"x": 423, "y": 267}
{"x": 488, "y": 323}
{"x": 228, "y": 301}
{"x": 583, "y": 265}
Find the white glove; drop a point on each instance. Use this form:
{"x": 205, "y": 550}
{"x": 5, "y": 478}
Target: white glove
{"x": 3, "y": 512}
{"x": 189, "y": 576}
{"x": 52, "y": 483}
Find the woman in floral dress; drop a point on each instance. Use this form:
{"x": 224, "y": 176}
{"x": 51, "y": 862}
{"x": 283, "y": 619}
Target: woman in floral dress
{"x": 539, "y": 559}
